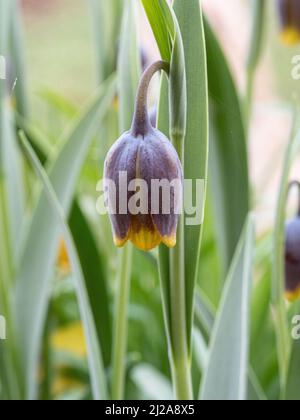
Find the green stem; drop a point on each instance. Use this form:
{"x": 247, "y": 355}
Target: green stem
{"x": 181, "y": 366}
{"x": 120, "y": 324}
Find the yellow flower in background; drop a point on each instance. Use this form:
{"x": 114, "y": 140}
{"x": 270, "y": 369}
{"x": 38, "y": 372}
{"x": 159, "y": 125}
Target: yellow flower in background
{"x": 63, "y": 384}
{"x": 289, "y": 15}
{"x": 63, "y": 261}
{"x": 70, "y": 339}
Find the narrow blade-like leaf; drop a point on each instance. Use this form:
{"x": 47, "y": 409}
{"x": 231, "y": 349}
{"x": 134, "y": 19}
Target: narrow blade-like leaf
{"x": 227, "y": 373}
{"x": 196, "y": 139}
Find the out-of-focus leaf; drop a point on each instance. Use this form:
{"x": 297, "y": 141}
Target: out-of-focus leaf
{"x": 200, "y": 350}
{"x": 38, "y": 141}
{"x": 12, "y": 168}
{"x": 152, "y": 384}
{"x": 97, "y": 373}
{"x": 10, "y": 165}
{"x": 32, "y": 287}
{"x": 204, "y": 315}
{"x": 255, "y": 391}
{"x": 57, "y": 101}
{"x": 228, "y": 154}
{"x": 94, "y": 276}
{"x": 8, "y": 379}
{"x": 227, "y": 373}
{"x": 259, "y": 19}
{"x": 17, "y": 65}
{"x": 106, "y": 17}
{"x": 259, "y": 10}
{"x": 129, "y": 67}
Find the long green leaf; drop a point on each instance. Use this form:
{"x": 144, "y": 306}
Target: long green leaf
{"x": 96, "y": 368}
{"x": 226, "y": 376}
{"x": 196, "y": 139}
{"x": 228, "y": 154}
{"x": 32, "y": 288}
{"x": 10, "y": 160}
{"x": 10, "y": 216}
{"x": 161, "y": 23}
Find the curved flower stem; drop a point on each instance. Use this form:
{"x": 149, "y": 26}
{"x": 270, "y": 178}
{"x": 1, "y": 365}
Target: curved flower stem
{"x": 141, "y": 123}
{"x": 120, "y": 324}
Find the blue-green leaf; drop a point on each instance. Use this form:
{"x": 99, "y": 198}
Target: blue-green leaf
{"x": 227, "y": 372}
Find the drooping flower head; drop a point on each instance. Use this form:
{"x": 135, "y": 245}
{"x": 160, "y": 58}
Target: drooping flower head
{"x": 292, "y": 257}
{"x": 289, "y": 16}
{"x": 143, "y": 178}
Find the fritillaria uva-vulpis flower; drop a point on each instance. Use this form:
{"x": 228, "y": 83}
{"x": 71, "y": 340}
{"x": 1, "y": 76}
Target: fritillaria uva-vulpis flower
{"x": 289, "y": 15}
{"x": 292, "y": 256}
{"x": 143, "y": 153}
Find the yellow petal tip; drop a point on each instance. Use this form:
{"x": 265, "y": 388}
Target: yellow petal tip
{"x": 292, "y": 295}
{"x": 169, "y": 241}
{"x": 119, "y": 242}
{"x": 144, "y": 236}
{"x": 290, "y": 36}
